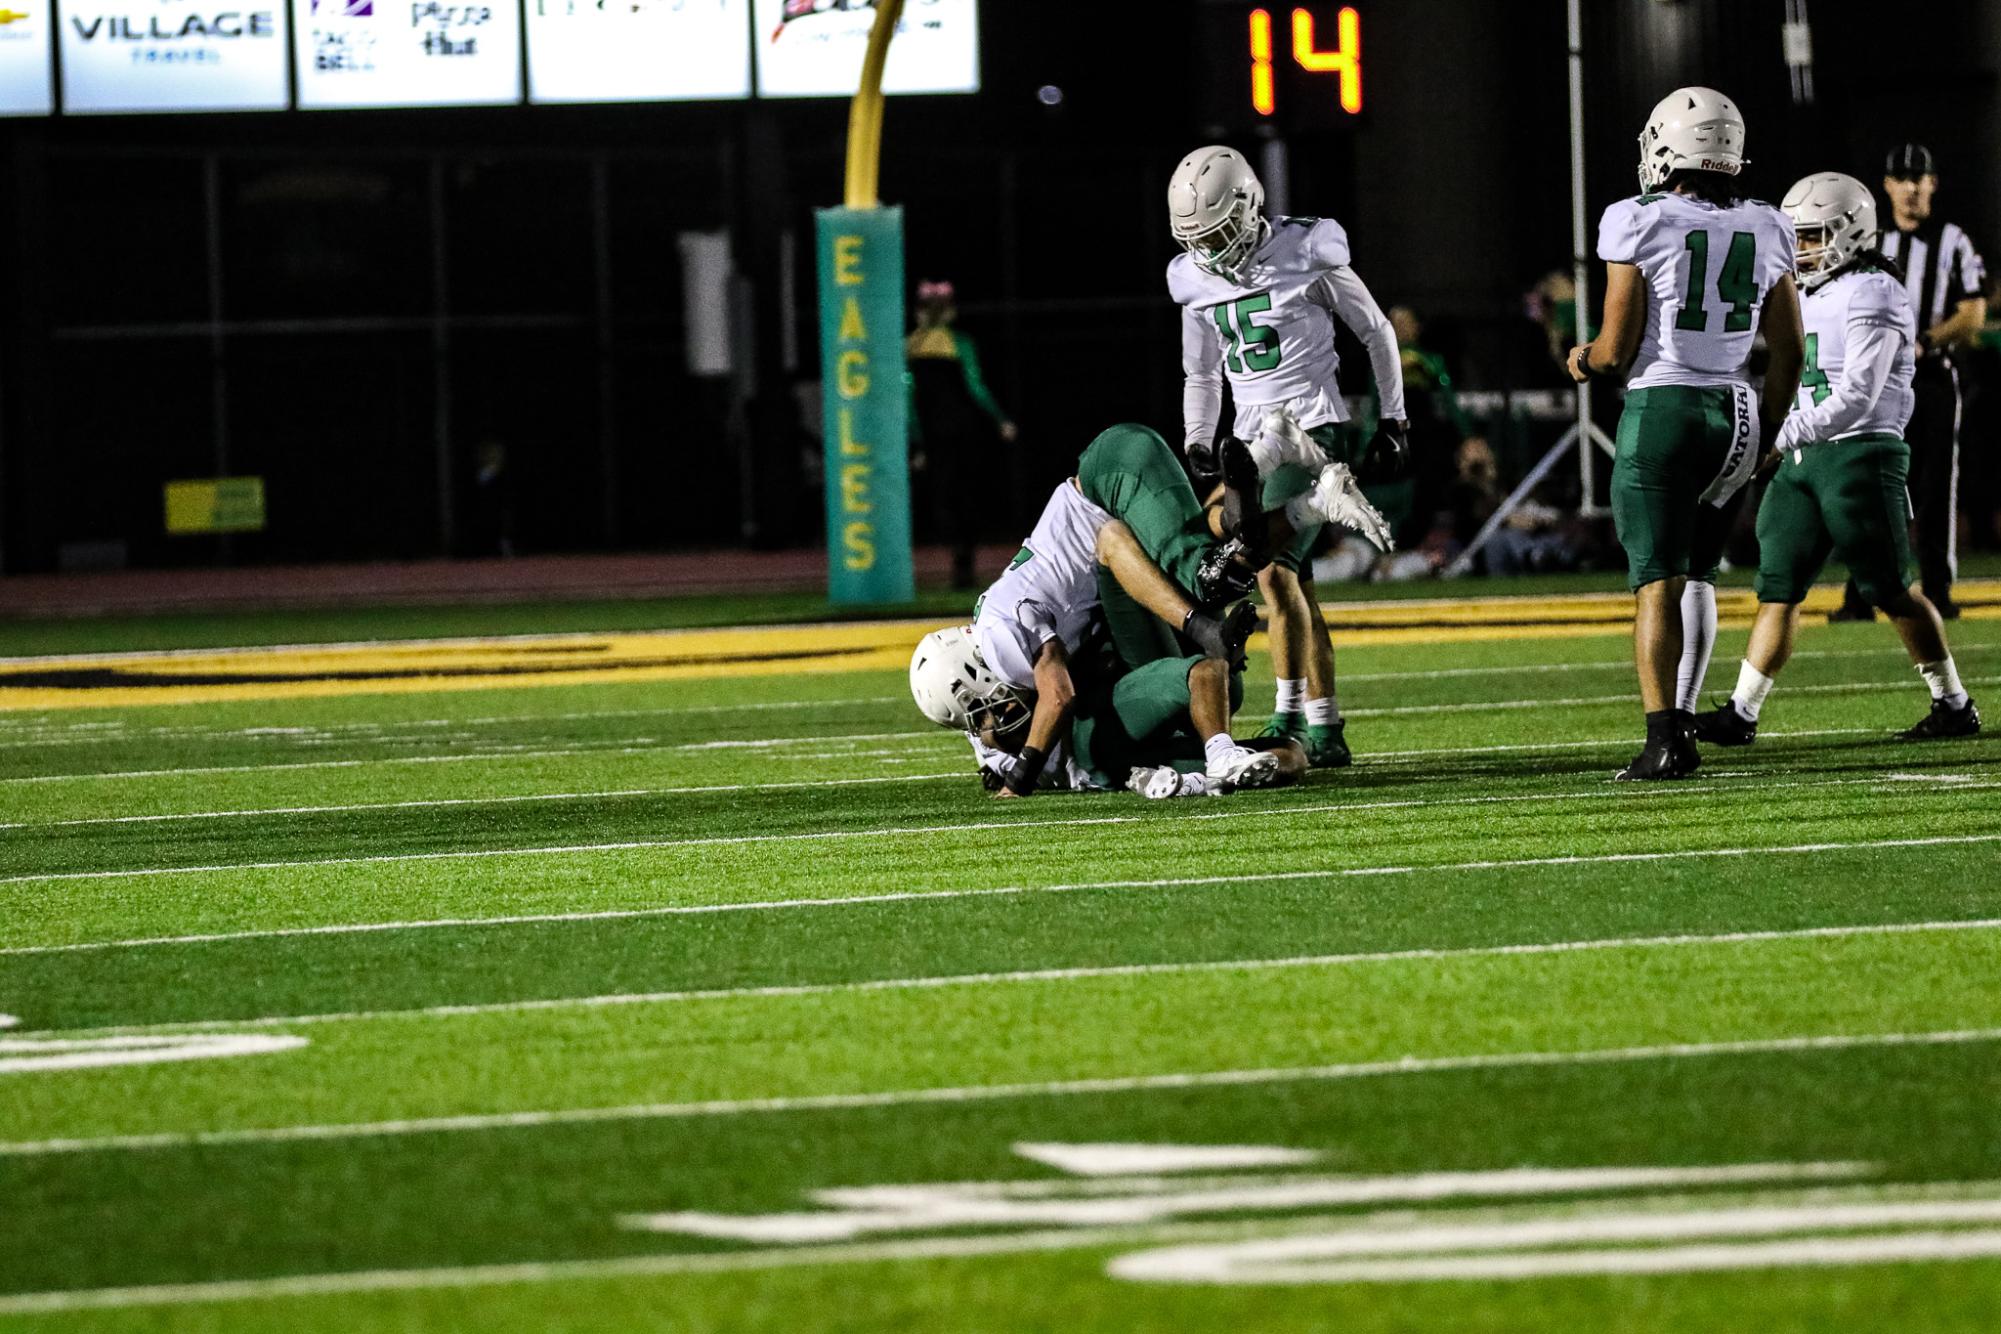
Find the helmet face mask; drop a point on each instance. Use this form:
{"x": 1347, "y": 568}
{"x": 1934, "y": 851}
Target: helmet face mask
{"x": 1224, "y": 248}
{"x": 1691, "y": 129}
{"x": 1834, "y": 223}
{"x": 954, "y": 687}
{"x": 1215, "y": 207}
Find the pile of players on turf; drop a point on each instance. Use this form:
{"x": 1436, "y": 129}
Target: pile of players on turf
{"x": 1105, "y": 655}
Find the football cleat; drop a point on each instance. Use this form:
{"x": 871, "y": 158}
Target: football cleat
{"x": 1241, "y": 767}
{"x": 1166, "y": 782}
{"x": 1942, "y": 723}
{"x": 1673, "y": 756}
{"x": 1224, "y": 575}
{"x": 1724, "y": 726}
{"x": 1243, "y": 494}
{"x": 1337, "y": 498}
{"x": 1327, "y": 746}
{"x": 1291, "y": 726}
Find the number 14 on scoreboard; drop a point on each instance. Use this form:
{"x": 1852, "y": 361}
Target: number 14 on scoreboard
{"x": 1344, "y": 60}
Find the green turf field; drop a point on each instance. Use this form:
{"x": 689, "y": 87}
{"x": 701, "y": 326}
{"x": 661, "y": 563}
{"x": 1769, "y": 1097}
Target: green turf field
{"x": 735, "y": 1005}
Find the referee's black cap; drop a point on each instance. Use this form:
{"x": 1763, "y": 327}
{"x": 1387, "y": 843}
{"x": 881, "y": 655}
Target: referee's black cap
{"x": 1907, "y": 162}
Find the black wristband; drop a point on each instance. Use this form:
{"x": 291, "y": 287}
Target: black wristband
{"x": 1027, "y": 768}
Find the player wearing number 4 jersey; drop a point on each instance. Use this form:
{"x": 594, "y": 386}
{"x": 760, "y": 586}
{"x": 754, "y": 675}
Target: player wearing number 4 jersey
{"x": 1259, "y": 299}
{"x": 1840, "y": 488}
{"x": 1693, "y": 274}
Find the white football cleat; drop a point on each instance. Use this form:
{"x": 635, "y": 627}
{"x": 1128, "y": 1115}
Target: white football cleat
{"x": 1166, "y": 782}
{"x": 1280, "y": 440}
{"x": 1337, "y": 498}
{"x": 1242, "y": 767}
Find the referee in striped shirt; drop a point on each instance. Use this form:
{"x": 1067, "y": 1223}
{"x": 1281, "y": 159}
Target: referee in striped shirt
{"x": 1943, "y": 273}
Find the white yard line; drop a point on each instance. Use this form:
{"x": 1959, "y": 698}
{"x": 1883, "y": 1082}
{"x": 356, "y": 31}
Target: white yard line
{"x": 120, "y": 732}
{"x": 516, "y": 753}
{"x": 852, "y": 901}
{"x": 487, "y": 801}
{"x": 1607, "y": 793}
{"x": 1407, "y": 710}
{"x": 951, "y": 980}
{"x": 1626, "y": 698}
{"x": 977, "y": 1093}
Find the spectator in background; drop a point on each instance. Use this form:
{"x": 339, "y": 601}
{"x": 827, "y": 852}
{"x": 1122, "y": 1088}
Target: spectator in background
{"x": 1437, "y": 423}
{"x": 1552, "y": 303}
{"x": 953, "y": 421}
{"x": 492, "y": 518}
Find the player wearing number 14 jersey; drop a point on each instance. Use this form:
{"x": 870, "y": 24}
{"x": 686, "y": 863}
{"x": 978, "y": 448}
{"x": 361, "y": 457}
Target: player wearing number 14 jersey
{"x": 1693, "y": 274}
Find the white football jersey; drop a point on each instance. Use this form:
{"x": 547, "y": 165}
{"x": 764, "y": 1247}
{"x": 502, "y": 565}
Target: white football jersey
{"x": 1273, "y": 333}
{"x": 1708, "y": 269}
{"x": 1050, "y": 591}
{"x": 1860, "y": 336}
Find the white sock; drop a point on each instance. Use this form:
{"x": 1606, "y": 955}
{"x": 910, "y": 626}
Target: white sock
{"x": 1698, "y": 640}
{"x": 1217, "y": 746}
{"x": 1943, "y": 679}
{"x": 1323, "y": 712}
{"x": 1752, "y": 687}
{"x": 1291, "y": 696}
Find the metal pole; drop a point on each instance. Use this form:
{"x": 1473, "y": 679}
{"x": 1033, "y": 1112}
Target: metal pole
{"x": 1277, "y": 173}
{"x": 441, "y": 353}
{"x": 1587, "y": 462}
{"x": 606, "y": 356}
{"x": 218, "y": 365}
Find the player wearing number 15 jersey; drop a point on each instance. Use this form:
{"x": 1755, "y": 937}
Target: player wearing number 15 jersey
{"x": 1693, "y": 274}
{"x": 1259, "y": 298}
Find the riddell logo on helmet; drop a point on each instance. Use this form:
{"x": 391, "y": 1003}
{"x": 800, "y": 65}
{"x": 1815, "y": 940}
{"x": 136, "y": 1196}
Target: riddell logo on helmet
{"x": 1717, "y": 164}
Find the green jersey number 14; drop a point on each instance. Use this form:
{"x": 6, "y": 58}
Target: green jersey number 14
{"x": 1735, "y": 283}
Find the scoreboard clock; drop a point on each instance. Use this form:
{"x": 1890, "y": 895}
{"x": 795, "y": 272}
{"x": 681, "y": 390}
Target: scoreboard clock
{"x": 1282, "y": 67}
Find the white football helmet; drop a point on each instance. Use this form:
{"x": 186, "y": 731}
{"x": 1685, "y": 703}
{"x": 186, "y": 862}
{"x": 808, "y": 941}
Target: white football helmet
{"x": 954, "y": 687}
{"x": 1695, "y": 129}
{"x": 1834, "y": 219}
{"x": 1216, "y": 209}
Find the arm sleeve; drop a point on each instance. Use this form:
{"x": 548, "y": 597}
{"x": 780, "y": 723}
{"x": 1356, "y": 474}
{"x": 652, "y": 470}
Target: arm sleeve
{"x": 976, "y": 383}
{"x": 1359, "y": 311}
{"x": 1873, "y": 349}
{"x": 1969, "y": 270}
{"x": 1202, "y": 391}
{"x": 1619, "y": 233}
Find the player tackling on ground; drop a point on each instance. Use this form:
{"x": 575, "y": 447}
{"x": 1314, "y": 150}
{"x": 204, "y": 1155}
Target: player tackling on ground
{"x": 1259, "y": 297}
{"x": 1693, "y": 274}
{"x": 1072, "y": 679}
{"x": 1840, "y": 487}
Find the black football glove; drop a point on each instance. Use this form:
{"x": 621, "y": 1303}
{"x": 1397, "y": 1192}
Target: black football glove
{"x": 1205, "y": 461}
{"x": 1388, "y": 456}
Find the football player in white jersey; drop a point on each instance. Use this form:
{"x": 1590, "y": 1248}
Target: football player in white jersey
{"x": 1011, "y": 679}
{"x": 1259, "y": 298}
{"x": 1840, "y": 486}
{"x": 1694, "y": 273}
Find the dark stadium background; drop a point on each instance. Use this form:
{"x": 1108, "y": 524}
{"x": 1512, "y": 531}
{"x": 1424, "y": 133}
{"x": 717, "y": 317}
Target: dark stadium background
{"x": 398, "y": 289}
